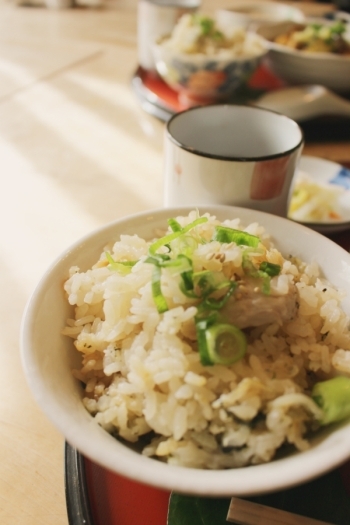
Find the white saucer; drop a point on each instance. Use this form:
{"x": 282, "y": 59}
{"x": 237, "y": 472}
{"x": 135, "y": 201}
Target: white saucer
{"x": 326, "y": 171}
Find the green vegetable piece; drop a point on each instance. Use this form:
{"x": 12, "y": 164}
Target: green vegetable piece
{"x": 219, "y": 343}
{"x": 216, "y": 304}
{"x": 174, "y": 225}
{"x": 123, "y": 267}
{"x": 206, "y": 24}
{"x": 158, "y": 297}
{"x": 201, "y": 328}
{"x": 270, "y": 268}
{"x": 251, "y": 271}
{"x": 171, "y": 236}
{"x": 180, "y": 264}
{"x": 333, "y": 396}
{"x": 227, "y": 235}
{"x": 338, "y": 28}
{"x": 226, "y": 344}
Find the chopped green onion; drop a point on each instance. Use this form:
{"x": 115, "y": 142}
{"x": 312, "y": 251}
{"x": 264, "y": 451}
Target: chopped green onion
{"x": 338, "y": 28}
{"x": 219, "y": 343}
{"x": 171, "y": 236}
{"x": 217, "y": 304}
{"x": 270, "y": 268}
{"x": 174, "y": 225}
{"x": 333, "y": 396}
{"x": 158, "y": 297}
{"x": 123, "y": 267}
{"x": 206, "y": 24}
{"x": 263, "y": 275}
{"x": 227, "y": 235}
{"x": 181, "y": 263}
{"x": 204, "y": 356}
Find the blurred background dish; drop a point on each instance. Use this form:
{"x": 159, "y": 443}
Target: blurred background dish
{"x": 252, "y": 15}
{"x": 321, "y": 195}
{"x": 311, "y": 61}
{"x": 203, "y": 62}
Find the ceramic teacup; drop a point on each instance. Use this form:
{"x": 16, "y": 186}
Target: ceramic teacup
{"x": 156, "y": 18}
{"x": 234, "y": 155}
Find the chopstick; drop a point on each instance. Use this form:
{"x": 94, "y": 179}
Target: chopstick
{"x": 243, "y": 512}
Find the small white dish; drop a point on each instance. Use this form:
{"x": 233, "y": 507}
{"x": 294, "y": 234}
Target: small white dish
{"x": 326, "y": 171}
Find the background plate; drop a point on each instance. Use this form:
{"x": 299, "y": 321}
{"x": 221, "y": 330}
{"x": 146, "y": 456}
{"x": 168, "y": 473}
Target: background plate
{"x": 325, "y": 171}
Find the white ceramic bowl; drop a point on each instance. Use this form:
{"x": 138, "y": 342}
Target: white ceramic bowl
{"x": 48, "y": 358}
{"x": 300, "y": 67}
{"x": 252, "y": 15}
{"x": 211, "y": 78}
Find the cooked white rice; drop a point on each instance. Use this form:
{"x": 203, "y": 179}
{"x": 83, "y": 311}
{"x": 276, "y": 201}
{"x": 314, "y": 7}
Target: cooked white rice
{"x": 142, "y": 372}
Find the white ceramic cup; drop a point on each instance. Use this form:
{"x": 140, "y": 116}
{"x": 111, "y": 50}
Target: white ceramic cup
{"x": 156, "y": 18}
{"x": 234, "y": 155}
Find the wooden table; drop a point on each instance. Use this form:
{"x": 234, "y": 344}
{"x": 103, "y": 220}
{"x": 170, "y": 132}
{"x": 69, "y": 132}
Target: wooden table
{"x": 77, "y": 151}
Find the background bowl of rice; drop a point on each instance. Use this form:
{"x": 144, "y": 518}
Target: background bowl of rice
{"x": 48, "y": 358}
{"x": 295, "y": 66}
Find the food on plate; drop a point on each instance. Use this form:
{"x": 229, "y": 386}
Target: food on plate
{"x": 198, "y": 34}
{"x": 207, "y": 346}
{"x": 317, "y": 38}
{"x": 314, "y": 201}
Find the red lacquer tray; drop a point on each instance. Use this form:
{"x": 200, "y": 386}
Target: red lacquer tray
{"x": 159, "y": 99}
{"x": 96, "y": 496}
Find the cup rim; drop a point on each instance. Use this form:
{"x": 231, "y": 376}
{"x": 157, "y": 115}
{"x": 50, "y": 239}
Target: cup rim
{"x": 258, "y": 158}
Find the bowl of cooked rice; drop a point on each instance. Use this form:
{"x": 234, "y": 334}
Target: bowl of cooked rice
{"x": 313, "y": 52}
{"x": 205, "y": 63}
{"x": 204, "y": 351}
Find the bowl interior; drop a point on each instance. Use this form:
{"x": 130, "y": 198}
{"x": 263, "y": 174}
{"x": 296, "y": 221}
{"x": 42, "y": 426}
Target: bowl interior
{"x": 48, "y": 358}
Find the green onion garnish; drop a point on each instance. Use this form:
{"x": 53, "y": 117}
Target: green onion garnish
{"x": 182, "y": 265}
{"x": 264, "y": 273}
{"x": 171, "y": 236}
{"x": 333, "y": 396}
{"x": 174, "y": 225}
{"x": 123, "y": 267}
{"x": 227, "y": 235}
{"x": 338, "y": 28}
{"x": 158, "y": 297}
{"x": 270, "y": 268}
{"x": 219, "y": 343}
{"x": 217, "y": 304}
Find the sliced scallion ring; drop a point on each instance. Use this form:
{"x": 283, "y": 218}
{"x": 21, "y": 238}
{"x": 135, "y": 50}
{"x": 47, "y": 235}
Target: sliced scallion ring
{"x": 226, "y": 344}
{"x": 219, "y": 342}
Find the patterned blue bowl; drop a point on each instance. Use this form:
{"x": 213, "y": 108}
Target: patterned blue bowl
{"x": 210, "y": 78}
